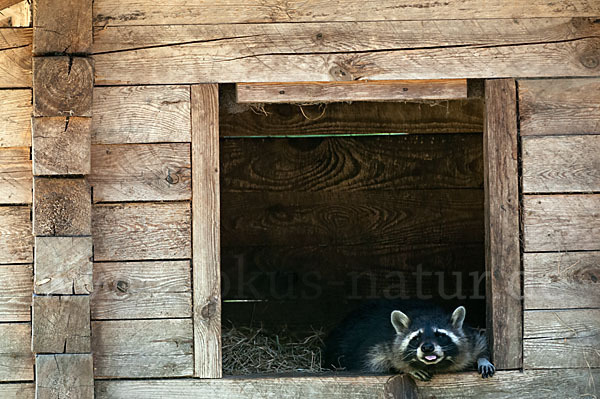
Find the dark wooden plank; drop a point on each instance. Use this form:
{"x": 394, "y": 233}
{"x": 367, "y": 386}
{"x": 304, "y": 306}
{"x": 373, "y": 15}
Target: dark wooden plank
{"x": 141, "y": 172}
{"x": 16, "y": 240}
{"x": 561, "y": 222}
{"x": 15, "y": 118}
{"x": 561, "y": 338}
{"x": 343, "y": 164}
{"x": 560, "y": 106}
{"x": 59, "y": 376}
{"x": 16, "y": 359}
{"x": 15, "y": 57}
{"x": 16, "y": 286}
{"x": 142, "y": 231}
{"x": 561, "y": 280}
{"x": 142, "y": 290}
{"x": 16, "y": 181}
{"x": 66, "y": 31}
{"x": 502, "y": 250}
{"x": 143, "y": 348}
{"x": 141, "y": 114}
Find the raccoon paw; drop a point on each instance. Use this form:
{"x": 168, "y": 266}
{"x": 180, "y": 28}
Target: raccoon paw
{"x": 485, "y": 368}
{"x": 421, "y": 375}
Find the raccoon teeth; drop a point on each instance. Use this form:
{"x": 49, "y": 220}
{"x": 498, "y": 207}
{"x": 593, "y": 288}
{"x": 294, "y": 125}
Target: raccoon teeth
{"x": 431, "y": 357}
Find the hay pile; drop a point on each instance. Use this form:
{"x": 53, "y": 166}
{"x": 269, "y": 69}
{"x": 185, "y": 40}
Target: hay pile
{"x": 257, "y": 351}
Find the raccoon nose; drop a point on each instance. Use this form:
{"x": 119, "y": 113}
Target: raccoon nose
{"x": 427, "y": 348}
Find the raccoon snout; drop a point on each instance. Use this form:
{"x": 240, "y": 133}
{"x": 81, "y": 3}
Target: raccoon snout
{"x": 427, "y": 347}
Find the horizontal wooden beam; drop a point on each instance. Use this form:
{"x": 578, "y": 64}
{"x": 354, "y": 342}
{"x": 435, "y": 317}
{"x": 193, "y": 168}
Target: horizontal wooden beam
{"x": 15, "y": 57}
{"x": 20, "y": 390}
{"x": 15, "y": 118}
{"x": 16, "y": 239}
{"x": 16, "y": 359}
{"x": 16, "y": 181}
{"x": 381, "y": 90}
{"x": 16, "y": 286}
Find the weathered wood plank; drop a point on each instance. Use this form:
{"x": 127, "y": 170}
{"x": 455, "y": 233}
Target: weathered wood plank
{"x": 16, "y": 181}
{"x": 206, "y": 231}
{"x": 561, "y": 280}
{"x": 63, "y": 265}
{"x": 392, "y": 90}
{"x": 339, "y": 51}
{"x": 61, "y": 324}
{"x": 322, "y": 386}
{"x": 141, "y": 114}
{"x": 16, "y": 359}
{"x": 61, "y": 207}
{"x": 64, "y": 376}
{"x": 22, "y": 390}
{"x": 345, "y": 164}
{"x": 143, "y": 348}
{"x": 15, "y": 57}
{"x": 68, "y": 31}
{"x": 561, "y": 338}
{"x": 7, "y": 3}
{"x": 16, "y": 286}
{"x": 502, "y": 250}
{"x": 142, "y": 231}
{"x": 16, "y": 239}
{"x": 63, "y": 86}
{"x": 15, "y": 118}
{"x": 141, "y": 172}
{"x": 140, "y": 290}
{"x": 560, "y": 106}
{"x": 561, "y": 222}
{"x": 18, "y": 15}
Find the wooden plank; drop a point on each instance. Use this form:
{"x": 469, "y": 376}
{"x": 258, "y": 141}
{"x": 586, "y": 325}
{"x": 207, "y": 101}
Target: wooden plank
{"x": 142, "y": 290}
{"x": 59, "y": 376}
{"x": 141, "y": 114}
{"x": 346, "y": 164}
{"x": 561, "y": 222}
{"x": 142, "y": 231}
{"x": 143, "y": 348}
{"x": 63, "y": 265}
{"x": 63, "y": 86}
{"x": 61, "y": 207}
{"x": 15, "y": 57}
{"x": 391, "y": 90}
{"x": 206, "y": 231}
{"x": 345, "y": 51}
{"x": 460, "y": 116}
{"x": 561, "y": 164}
{"x": 19, "y": 15}
{"x": 16, "y": 286}
{"x": 561, "y": 338}
{"x": 16, "y": 359}
{"x": 16, "y": 240}
{"x": 65, "y": 32}
{"x": 321, "y": 386}
{"x": 61, "y": 324}
{"x": 7, "y": 3}
{"x": 21, "y": 390}
{"x": 563, "y": 106}
{"x": 61, "y": 146}
{"x": 502, "y": 247}
{"x": 561, "y": 280}
{"x": 16, "y": 181}
{"x": 141, "y": 172}
{"x": 15, "y": 118}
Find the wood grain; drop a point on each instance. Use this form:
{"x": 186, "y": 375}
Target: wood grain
{"x": 206, "y": 231}
{"x": 68, "y": 31}
{"x": 351, "y": 164}
{"x": 561, "y": 164}
{"x": 16, "y": 181}
{"x": 561, "y": 338}
{"x": 502, "y": 247}
{"x": 143, "y": 348}
{"x": 61, "y": 324}
{"x": 560, "y": 106}
{"x": 561, "y": 222}
{"x": 561, "y": 280}
{"x": 141, "y": 172}
{"x": 61, "y": 146}
{"x": 15, "y": 234}
{"x": 63, "y": 265}
{"x": 391, "y": 90}
{"x": 16, "y": 359}
{"x": 15, "y": 118}
{"x": 141, "y": 114}
{"x": 18, "y": 15}
{"x": 21, "y": 390}
{"x": 15, "y": 292}
{"x": 141, "y": 231}
{"x": 15, "y": 57}
{"x": 59, "y": 376}
{"x": 7, "y": 3}
{"x": 142, "y": 290}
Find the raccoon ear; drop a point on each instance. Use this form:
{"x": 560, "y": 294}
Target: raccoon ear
{"x": 400, "y": 321}
{"x": 458, "y": 317}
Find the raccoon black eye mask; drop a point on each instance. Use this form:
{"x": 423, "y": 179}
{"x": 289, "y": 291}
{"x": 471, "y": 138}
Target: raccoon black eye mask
{"x": 420, "y": 340}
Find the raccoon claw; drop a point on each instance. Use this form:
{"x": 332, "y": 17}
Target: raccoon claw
{"x": 485, "y": 368}
{"x": 421, "y": 375}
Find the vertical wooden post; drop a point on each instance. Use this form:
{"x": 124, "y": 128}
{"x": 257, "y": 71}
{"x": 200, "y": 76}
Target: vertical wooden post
{"x": 205, "y": 231}
{"x": 502, "y": 249}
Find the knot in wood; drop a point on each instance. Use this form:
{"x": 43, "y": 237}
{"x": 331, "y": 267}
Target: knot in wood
{"x": 122, "y": 286}
{"x": 172, "y": 179}
{"x": 590, "y": 59}
{"x": 209, "y": 310}
{"x": 340, "y": 74}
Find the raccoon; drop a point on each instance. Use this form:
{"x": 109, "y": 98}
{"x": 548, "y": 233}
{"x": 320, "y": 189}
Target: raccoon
{"x": 414, "y": 337}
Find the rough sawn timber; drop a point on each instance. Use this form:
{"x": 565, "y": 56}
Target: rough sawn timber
{"x": 15, "y": 118}
{"x": 15, "y": 57}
